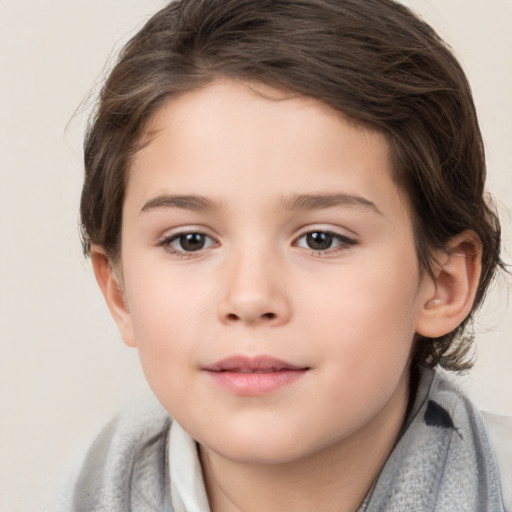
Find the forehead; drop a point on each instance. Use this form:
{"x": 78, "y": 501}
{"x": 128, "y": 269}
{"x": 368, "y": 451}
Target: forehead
{"x": 235, "y": 139}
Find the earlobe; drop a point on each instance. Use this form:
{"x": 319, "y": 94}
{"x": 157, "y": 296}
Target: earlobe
{"x": 113, "y": 293}
{"x": 457, "y": 274}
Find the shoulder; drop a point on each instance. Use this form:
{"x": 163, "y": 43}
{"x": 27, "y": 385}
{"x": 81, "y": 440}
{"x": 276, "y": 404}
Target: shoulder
{"x": 444, "y": 458}
{"x": 497, "y": 428}
{"x": 126, "y": 464}
{"x": 500, "y": 432}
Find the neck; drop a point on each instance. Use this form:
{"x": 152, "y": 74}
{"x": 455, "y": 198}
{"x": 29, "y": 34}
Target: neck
{"x": 335, "y": 479}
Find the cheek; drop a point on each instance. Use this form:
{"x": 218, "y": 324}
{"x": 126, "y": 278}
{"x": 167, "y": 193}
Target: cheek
{"x": 166, "y": 304}
{"x": 166, "y": 319}
{"x": 366, "y": 316}
{"x": 365, "y": 339}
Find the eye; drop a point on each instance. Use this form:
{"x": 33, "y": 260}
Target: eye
{"x": 187, "y": 242}
{"x": 324, "y": 241}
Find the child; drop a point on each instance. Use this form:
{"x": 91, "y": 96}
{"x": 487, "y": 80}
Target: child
{"x": 284, "y": 207}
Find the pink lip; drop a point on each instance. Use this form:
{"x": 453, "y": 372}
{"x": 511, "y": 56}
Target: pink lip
{"x": 252, "y": 376}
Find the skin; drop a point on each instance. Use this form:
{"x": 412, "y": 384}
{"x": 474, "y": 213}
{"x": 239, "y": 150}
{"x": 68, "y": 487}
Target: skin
{"x": 347, "y": 314}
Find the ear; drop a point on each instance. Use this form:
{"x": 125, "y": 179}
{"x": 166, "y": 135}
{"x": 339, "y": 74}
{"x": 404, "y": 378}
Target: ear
{"x": 456, "y": 278}
{"x": 113, "y": 292}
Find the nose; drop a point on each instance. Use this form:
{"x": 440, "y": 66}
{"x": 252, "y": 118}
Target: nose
{"x": 254, "y": 293}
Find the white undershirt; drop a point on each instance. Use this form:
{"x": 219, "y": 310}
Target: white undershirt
{"x": 188, "y": 493}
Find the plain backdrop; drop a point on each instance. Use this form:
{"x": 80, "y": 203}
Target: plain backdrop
{"x": 63, "y": 367}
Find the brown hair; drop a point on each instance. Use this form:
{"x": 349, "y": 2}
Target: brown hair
{"x": 375, "y": 61}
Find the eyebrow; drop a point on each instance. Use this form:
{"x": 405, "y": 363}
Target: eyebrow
{"x": 187, "y": 202}
{"x": 321, "y": 201}
{"x": 299, "y": 202}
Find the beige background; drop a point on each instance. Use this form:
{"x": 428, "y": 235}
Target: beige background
{"x": 63, "y": 368}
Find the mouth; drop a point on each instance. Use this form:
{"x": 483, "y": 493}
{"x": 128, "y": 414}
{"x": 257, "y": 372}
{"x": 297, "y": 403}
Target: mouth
{"x": 253, "y": 376}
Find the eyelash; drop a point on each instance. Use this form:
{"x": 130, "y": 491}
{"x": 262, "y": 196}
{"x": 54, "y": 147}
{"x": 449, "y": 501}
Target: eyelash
{"x": 166, "y": 243}
{"x": 343, "y": 244}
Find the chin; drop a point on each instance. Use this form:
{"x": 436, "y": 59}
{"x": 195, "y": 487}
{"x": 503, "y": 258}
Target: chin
{"x": 260, "y": 449}
{"x": 258, "y": 457}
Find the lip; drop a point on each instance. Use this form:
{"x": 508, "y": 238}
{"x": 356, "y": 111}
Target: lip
{"x": 253, "y": 376}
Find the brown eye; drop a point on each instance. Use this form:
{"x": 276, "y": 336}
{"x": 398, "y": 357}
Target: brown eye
{"x": 187, "y": 242}
{"x": 192, "y": 242}
{"x": 319, "y": 240}
{"x": 324, "y": 241}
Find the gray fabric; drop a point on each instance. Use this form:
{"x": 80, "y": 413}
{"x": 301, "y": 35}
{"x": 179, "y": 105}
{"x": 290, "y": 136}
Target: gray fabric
{"x": 500, "y": 433}
{"x": 126, "y": 469}
{"x": 443, "y": 461}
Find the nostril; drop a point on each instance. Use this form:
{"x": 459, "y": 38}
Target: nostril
{"x": 269, "y": 316}
{"x": 232, "y": 317}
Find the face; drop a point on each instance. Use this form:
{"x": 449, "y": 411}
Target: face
{"x": 269, "y": 273}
